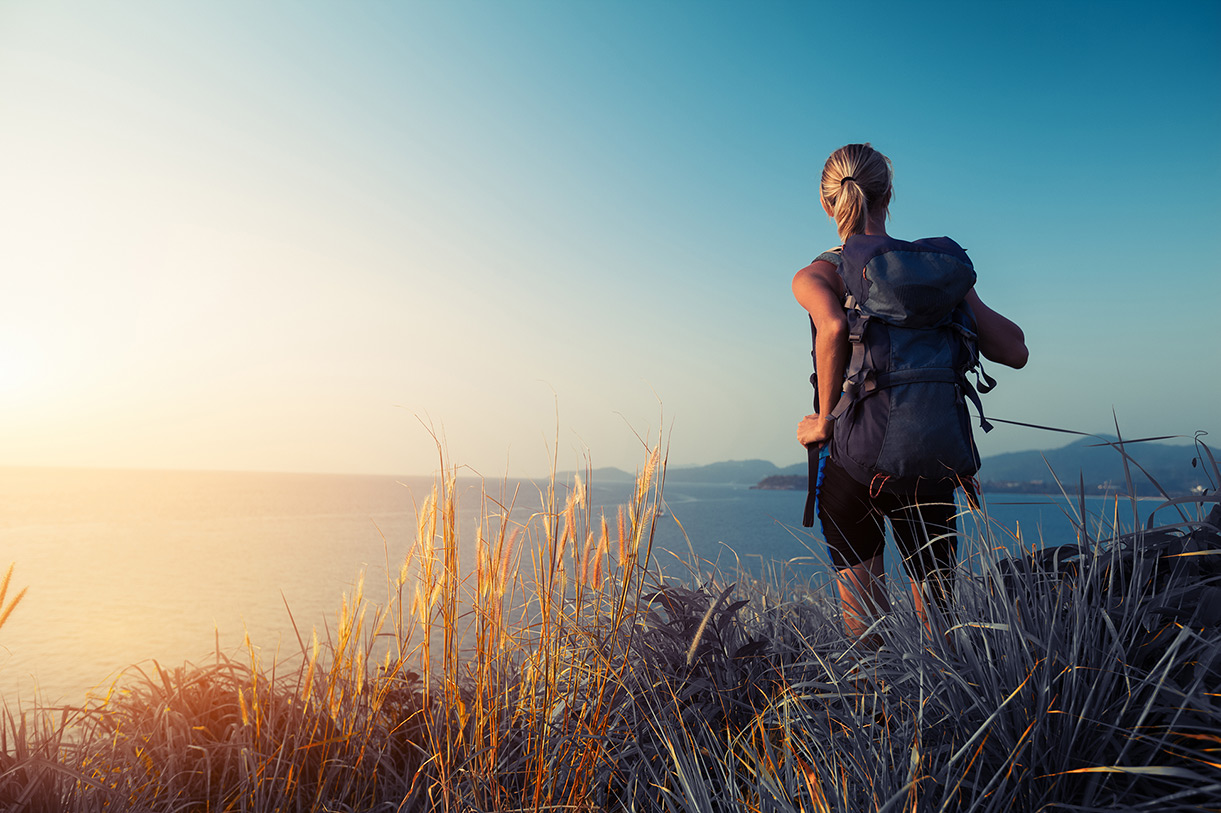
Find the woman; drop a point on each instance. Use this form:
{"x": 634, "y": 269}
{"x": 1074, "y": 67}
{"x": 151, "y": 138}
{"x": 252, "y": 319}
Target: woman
{"x": 856, "y": 192}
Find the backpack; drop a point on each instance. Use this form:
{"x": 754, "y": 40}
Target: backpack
{"x": 902, "y": 419}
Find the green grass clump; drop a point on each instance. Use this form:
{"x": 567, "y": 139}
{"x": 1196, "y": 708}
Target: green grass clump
{"x": 566, "y": 673}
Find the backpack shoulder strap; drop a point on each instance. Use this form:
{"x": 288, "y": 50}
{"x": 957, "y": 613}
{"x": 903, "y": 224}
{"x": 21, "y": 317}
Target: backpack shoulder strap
{"x": 849, "y": 272}
{"x": 853, "y": 381}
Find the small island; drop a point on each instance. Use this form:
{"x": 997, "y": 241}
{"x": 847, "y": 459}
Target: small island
{"x": 783, "y": 482}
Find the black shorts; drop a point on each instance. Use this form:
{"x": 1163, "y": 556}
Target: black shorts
{"x": 924, "y": 524}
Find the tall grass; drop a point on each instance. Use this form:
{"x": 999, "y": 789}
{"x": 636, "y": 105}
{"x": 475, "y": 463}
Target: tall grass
{"x": 565, "y": 673}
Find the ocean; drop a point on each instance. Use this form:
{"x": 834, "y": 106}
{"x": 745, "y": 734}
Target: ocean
{"x": 127, "y": 567}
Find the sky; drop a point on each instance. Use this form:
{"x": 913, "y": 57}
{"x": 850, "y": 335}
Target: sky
{"x": 321, "y": 236}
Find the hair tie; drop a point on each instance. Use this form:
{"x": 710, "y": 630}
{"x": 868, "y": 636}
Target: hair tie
{"x": 845, "y": 179}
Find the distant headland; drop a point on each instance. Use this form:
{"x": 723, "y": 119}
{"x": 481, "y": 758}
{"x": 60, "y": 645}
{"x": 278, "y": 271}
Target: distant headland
{"x": 1089, "y": 461}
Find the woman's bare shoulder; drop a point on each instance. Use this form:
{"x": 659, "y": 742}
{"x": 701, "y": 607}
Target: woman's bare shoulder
{"x": 819, "y": 273}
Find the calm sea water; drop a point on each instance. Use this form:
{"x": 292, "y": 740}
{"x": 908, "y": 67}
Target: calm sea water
{"x": 124, "y": 567}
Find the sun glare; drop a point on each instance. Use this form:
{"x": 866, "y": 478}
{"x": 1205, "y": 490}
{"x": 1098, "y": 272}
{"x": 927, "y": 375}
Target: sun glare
{"x": 18, "y": 369}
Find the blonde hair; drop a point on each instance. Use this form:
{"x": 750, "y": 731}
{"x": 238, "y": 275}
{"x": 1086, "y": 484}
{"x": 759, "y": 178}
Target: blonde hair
{"x": 856, "y": 180}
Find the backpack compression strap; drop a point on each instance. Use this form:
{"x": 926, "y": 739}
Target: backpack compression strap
{"x": 856, "y": 360}
{"x": 984, "y": 383}
{"x": 973, "y": 394}
{"x": 854, "y": 388}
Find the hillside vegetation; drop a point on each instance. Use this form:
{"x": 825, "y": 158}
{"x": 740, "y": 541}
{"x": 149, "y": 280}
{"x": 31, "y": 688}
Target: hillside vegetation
{"x": 565, "y": 674}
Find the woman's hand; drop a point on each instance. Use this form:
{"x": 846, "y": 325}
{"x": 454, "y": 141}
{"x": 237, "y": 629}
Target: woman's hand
{"x": 814, "y": 431}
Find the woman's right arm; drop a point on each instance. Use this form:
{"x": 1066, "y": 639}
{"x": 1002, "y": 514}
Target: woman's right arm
{"x": 819, "y": 290}
{"x": 1000, "y": 339}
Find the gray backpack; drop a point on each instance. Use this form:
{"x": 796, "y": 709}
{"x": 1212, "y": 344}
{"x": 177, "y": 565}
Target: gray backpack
{"x": 902, "y": 419}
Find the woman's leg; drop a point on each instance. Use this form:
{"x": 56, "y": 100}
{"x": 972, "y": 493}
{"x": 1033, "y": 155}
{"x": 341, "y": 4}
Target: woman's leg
{"x": 926, "y": 532}
{"x": 856, "y": 539}
{"x": 862, "y": 590}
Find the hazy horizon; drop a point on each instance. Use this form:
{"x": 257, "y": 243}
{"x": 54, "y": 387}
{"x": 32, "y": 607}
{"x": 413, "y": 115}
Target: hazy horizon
{"x": 467, "y": 471}
{"x": 289, "y": 239}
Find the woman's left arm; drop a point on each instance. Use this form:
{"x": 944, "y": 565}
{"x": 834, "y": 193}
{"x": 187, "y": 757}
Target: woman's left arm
{"x": 1000, "y": 339}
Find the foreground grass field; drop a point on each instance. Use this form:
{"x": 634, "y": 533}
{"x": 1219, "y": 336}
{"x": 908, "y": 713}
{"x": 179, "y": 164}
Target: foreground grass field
{"x": 565, "y": 673}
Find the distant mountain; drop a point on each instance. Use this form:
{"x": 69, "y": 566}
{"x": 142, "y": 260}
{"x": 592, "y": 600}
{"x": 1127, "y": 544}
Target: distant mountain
{"x": 610, "y": 474}
{"x": 1100, "y": 465}
{"x": 729, "y": 472}
{"x": 1090, "y": 459}
{"x": 606, "y": 474}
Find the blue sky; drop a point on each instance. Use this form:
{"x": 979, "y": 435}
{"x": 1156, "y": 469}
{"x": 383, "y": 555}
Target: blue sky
{"x": 281, "y": 236}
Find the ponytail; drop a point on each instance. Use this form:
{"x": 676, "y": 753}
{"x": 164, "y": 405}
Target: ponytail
{"x": 851, "y": 209}
{"x": 856, "y": 180}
